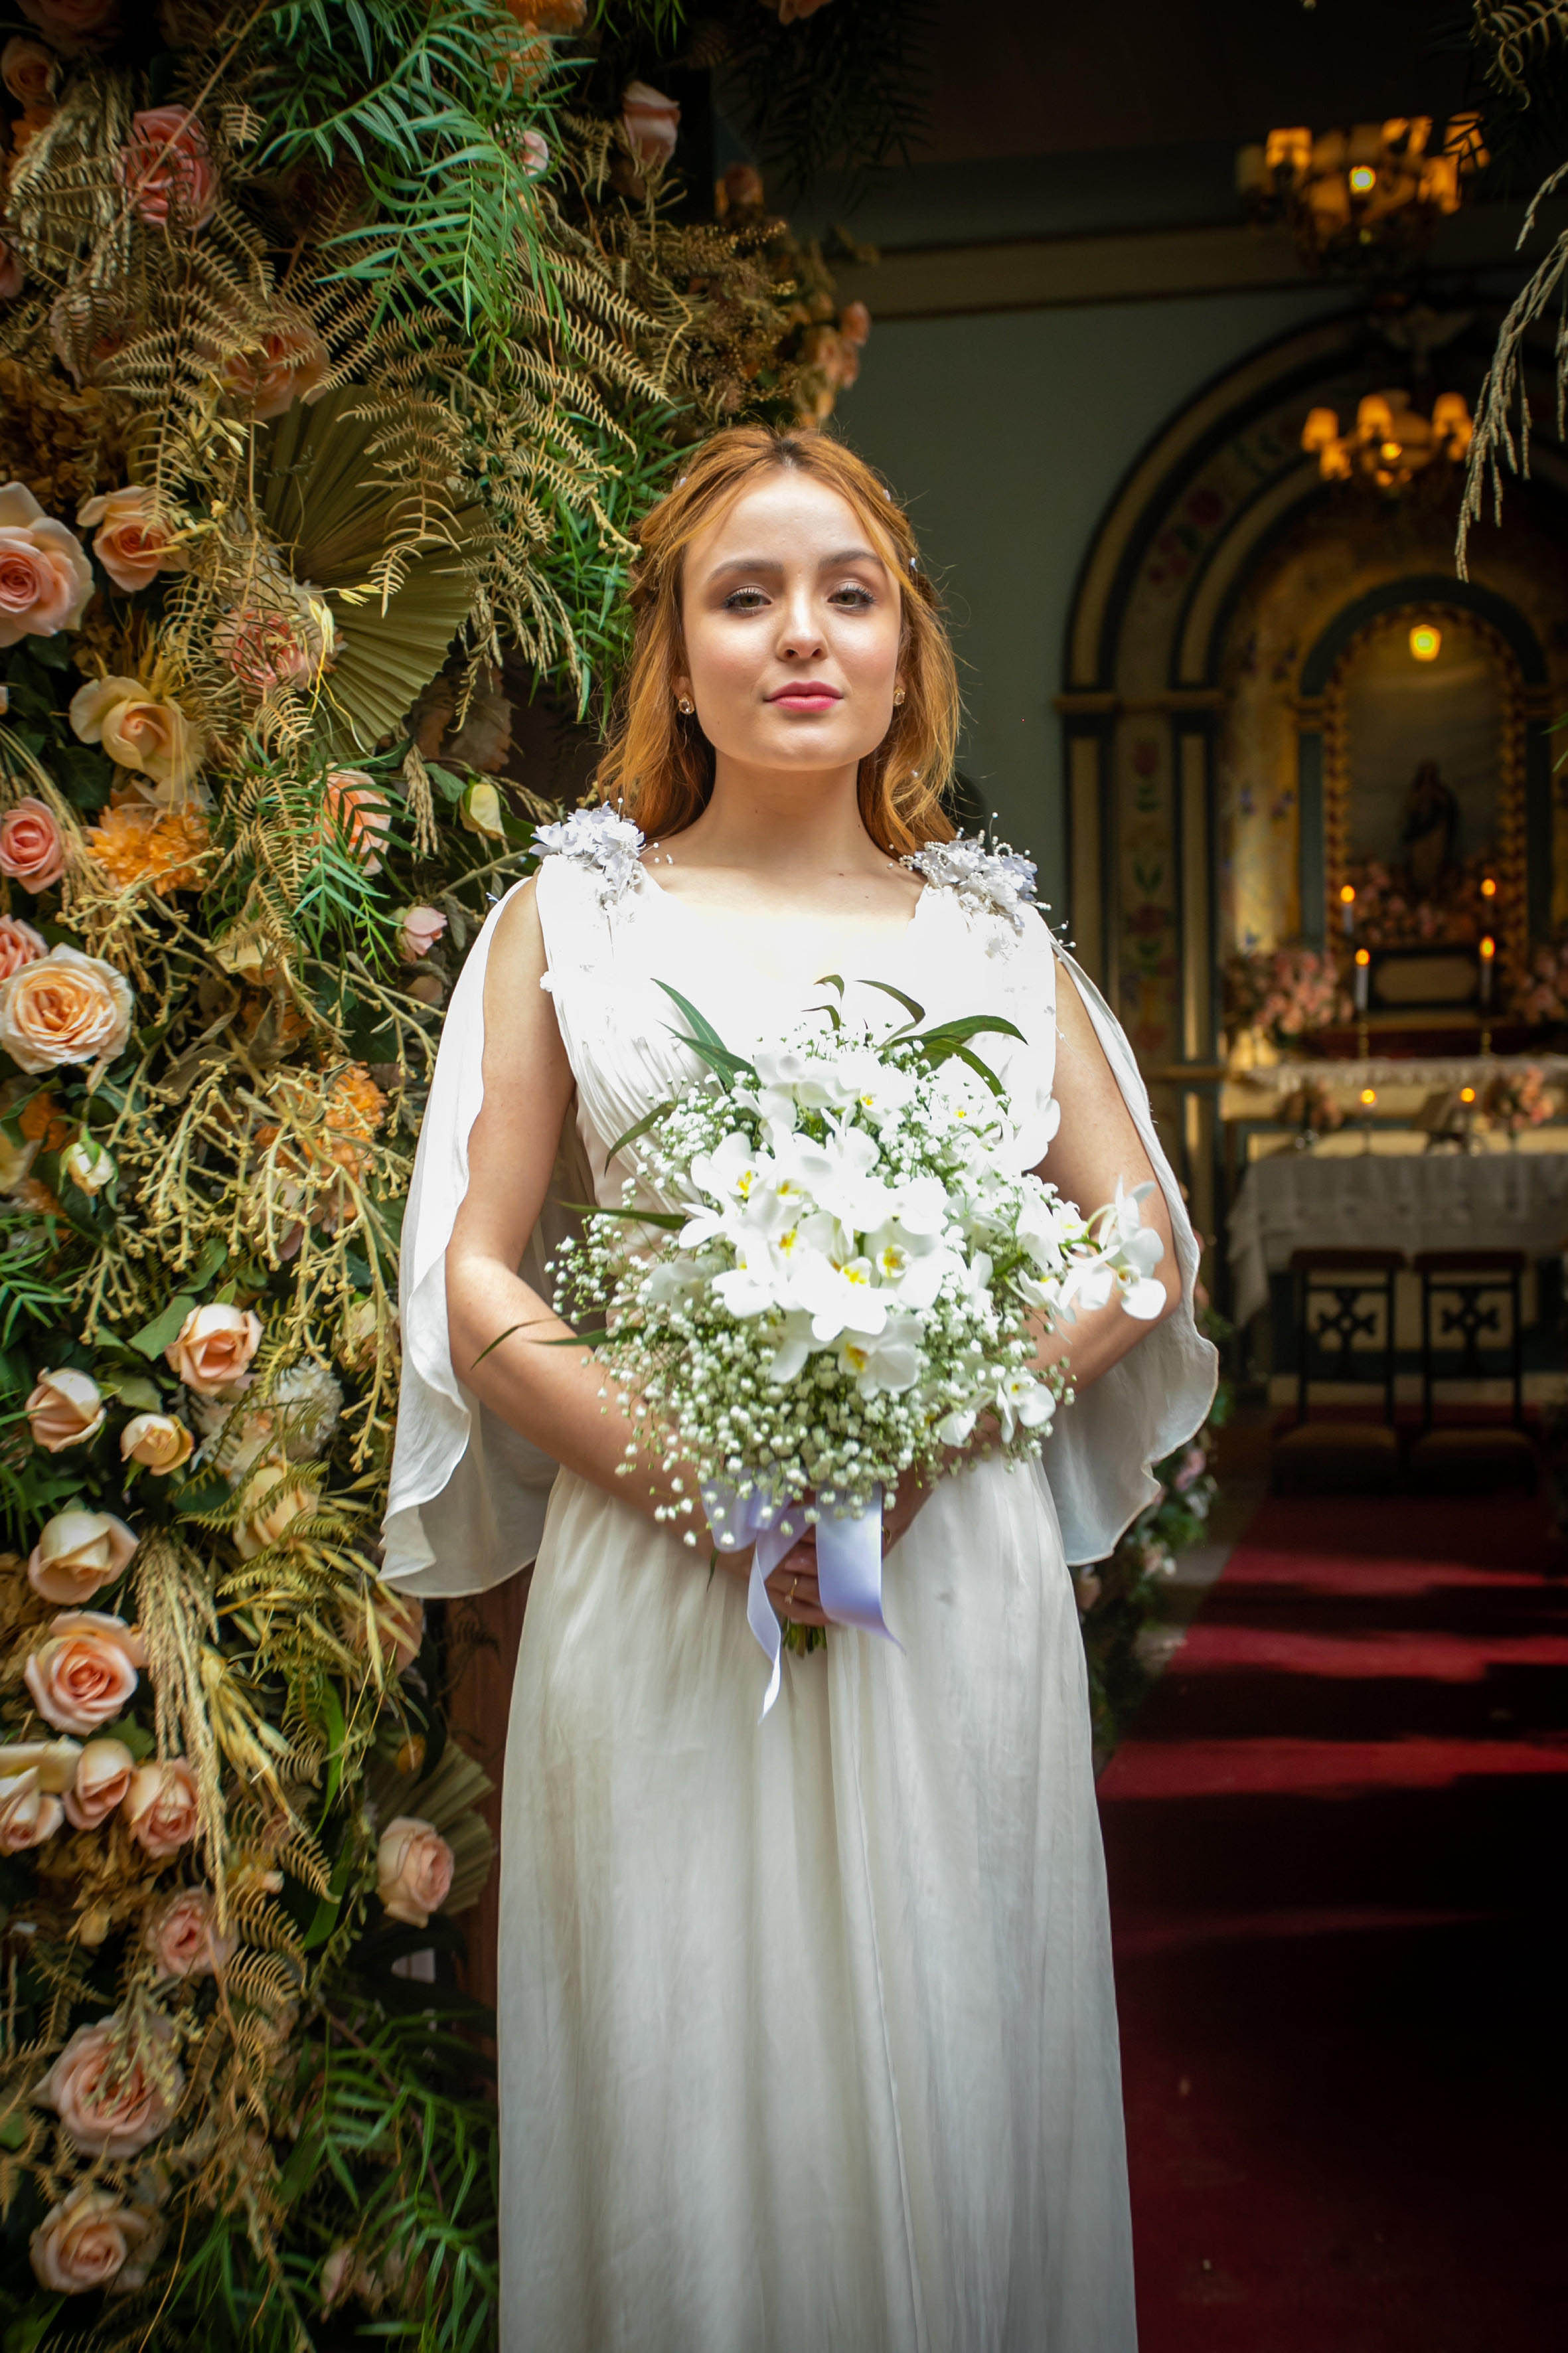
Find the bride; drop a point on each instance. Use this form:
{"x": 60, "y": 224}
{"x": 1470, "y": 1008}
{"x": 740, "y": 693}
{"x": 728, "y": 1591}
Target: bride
{"x": 807, "y": 2026}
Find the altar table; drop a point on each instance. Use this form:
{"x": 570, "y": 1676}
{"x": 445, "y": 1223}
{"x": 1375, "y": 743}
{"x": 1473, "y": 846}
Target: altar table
{"x": 1431, "y": 1200}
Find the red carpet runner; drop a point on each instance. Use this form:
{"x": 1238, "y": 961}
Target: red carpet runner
{"x": 1337, "y": 1860}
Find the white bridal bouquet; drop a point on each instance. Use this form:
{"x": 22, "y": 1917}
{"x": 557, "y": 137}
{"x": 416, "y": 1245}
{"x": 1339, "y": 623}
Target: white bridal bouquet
{"x": 857, "y": 1273}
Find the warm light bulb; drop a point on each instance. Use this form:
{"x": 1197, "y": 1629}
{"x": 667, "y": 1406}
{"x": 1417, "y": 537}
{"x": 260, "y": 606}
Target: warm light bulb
{"x": 1489, "y": 948}
{"x": 1368, "y": 1094}
{"x": 1364, "y": 955}
{"x": 1425, "y": 641}
{"x": 1363, "y": 179}
{"x": 1389, "y": 453}
{"x": 1466, "y": 1095}
{"x": 1489, "y": 888}
{"x": 1347, "y": 893}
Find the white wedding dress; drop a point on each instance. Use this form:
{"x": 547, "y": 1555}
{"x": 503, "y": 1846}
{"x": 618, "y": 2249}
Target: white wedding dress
{"x": 806, "y": 2027}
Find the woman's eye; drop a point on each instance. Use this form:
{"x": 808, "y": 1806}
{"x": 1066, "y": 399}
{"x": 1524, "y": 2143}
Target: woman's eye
{"x": 859, "y": 599}
{"x": 745, "y": 600}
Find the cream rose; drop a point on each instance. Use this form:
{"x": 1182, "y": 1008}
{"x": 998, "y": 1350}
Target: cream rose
{"x": 28, "y": 70}
{"x": 161, "y": 1442}
{"x": 480, "y": 810}
{"x": 32, "y": 846}
{"x": 64, "y": 1007}
{"x": 651, "y": 120}
{"x": 214, "y": 1347}
{"x": 291, "y": 363}
{"x": 356, "y": 814}
{"x": 76, "y": 1552}
{"x": 93, "y": 2238}
{"x": 274, "y": 1500}
{"x": 183, "y": 1937}
{"x": 168, "y": 168}
{"x": 130, "y": 542}
{"x": 151, "y": 739}
{"x": 413, "y": 1869}
{"x": 90, "y": 1165}
{"x": 56, "y": 1763}
{"x": 161, "y": 1806}
{"x": 28, "y": 1814}
{"x": 103, "y": 1773}
{"x": 66, "y": 1409}
{"x": 84, "y": 1673}
{"x": 112, "y": 2104}
{"x": 19, "y": 944}
{"x": 46, "y": 580}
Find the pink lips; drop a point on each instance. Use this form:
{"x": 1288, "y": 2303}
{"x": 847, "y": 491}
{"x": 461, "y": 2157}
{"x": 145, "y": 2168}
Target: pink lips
{"x": 807, "y": 694}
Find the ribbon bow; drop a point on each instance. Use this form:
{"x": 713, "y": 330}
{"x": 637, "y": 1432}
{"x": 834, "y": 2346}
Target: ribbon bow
{"x": 848, "y": 1561}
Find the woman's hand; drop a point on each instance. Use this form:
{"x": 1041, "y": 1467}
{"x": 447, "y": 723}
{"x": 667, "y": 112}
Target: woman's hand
{"x": 793, "y": 1588}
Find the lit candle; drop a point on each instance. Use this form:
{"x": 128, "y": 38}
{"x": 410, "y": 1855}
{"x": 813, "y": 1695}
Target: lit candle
{"x": 1489, "y": 957}
{"x": 1488, "y": 886}
{"x": 1347, "y": 900}
{"x": 1363, "y": 977}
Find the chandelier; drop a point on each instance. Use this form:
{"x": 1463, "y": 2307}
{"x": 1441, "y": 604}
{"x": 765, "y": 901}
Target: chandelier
{"x": 1391, "y": 442}
{"x": 1353, "y": 196}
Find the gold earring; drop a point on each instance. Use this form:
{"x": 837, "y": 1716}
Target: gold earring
{"x": 686, "y": 706}
{"x": 897, "y": 694}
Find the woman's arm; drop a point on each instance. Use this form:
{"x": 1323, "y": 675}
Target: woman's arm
{"x": 555, "y": 1396}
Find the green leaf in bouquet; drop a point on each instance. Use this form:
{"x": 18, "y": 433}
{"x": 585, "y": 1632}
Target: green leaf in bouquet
{"x": 672, "y": 1218}
{"x": 154, "y": 1337}
{"x": 916, "y": 1012}
{"x": 650, "y": 1119}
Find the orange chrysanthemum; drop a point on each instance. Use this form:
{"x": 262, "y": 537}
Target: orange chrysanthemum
{"x": 135, "y": 843}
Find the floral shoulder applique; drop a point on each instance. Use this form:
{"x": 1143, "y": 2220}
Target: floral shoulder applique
{"x": 984, "y": 881}
{"x": 601, "y": 842}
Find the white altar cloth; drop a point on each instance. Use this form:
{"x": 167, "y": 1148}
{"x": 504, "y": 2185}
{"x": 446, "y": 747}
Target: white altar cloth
{"x": 1376, "y": 1200}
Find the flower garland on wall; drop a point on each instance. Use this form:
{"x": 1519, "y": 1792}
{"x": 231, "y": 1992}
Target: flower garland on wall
{"x": 341, "y": 341}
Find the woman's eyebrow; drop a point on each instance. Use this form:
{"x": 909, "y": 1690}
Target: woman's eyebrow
{"x": 771, "y": 564}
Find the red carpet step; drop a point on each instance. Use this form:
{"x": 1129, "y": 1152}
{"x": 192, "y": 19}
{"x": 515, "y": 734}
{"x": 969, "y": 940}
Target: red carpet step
{"x": 1335, "y": 1838}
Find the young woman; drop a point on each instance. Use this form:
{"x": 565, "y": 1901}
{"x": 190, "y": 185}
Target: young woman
{"x": 807, "y": 2032}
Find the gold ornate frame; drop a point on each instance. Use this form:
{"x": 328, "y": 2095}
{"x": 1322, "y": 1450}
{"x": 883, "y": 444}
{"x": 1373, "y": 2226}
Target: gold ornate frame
{"x": 1514, "y": 925}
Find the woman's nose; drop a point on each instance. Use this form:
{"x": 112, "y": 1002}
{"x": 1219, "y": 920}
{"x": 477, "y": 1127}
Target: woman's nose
{"x": 800, "y": 637}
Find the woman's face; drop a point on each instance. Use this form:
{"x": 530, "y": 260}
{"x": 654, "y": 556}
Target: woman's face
{"x": 791, "y": 624}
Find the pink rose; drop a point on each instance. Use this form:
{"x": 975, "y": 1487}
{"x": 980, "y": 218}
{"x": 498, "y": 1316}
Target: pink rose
{"x": 93, "y": 2238}
{"x": 213, "y": 1348}
{"x": 13, "y": 277}
{"x": 76, "y": 1552}
{"x": 855, "y": 322}
{"x": 130, "y": 543}
{"x": 289, "y": 643}
{"x": 84, "y": 1673}
{"x": 19, "y": 944}
{"x": 28, "y": 1815}
{"x": 161, "y": 1807}
{"x": 651, "y": 122}
{"x": 66, "y": 1409}
{"x": 46, "y": 580}
{"x": 535, "y": 155}
{"x": 102, "y": 1778}
{"x": 161, "y": 1442}
{"x": 418, "y": 929}
{"x": 357, "y": 814}
{"x": 413, "y": 1869}
{"x": 168, "y": 168}
{"x": 28, "y": 70}
{"x": 290, "y": 363}
{"x": 32, "y": 846}
{"x": 64, "y": 1007}
{"x": 183, "y": 1937}
{"x": 110, "y": 2102}
{"x": 72, "y": 23}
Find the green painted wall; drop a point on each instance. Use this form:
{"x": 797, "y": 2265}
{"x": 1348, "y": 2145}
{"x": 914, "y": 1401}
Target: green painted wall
{"x": 1008, "y": 435}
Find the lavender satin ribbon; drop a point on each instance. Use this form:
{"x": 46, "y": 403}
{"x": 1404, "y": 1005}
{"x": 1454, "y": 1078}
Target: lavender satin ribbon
{"x": 848, "y": 1561}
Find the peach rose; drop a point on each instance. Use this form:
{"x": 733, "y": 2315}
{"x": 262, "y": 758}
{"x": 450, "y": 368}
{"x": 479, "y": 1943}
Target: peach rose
{"x": 273, "y": 1502}
{"x": 84, "y": 1673}
{"x": 27, "y": 126}
{"x": 93, "y": 2238}
{"x": 66, "y": 1409}
{"x": 28, "y": 1815}
{"x": 19, "y": 944}
{"x": 130, "y": 543}
{"x": 64, "y": 1007}
{"x": 28, "y": 70}
{"x": 76, "y": 1552}
{"x": 289, "y": 642}
{"x": 651, "y": 121}
{"x": 90, "y": 1165}
{"x": 32, "y": 846}
{"x": 183, "y": 1937}
{"x": 46, "y": 580}
{"x": 13, "y": 277}
{"x": 357, "y": 814}
{"x": 110, "y": 2104}
{"x": 56, "y": 1763}
{"x": 161, "y": 1442}
{"x": 413, "y": 1869}
{"x": 418, "y": 929}
{"x": 291, "y": 363}
{"x": 103, "y": 1779}
{"x": 161, "y": 1807}
{"x": 168, "y": 168}
{"x": 213, "y": 1348}
{"x": 72, "y": 23}
{"x": 153, "y": 738}
{"x": 855, "y": 322}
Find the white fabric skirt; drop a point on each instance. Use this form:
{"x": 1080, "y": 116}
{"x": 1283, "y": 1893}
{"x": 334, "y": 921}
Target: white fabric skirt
{"x": 808, "y": 2035}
